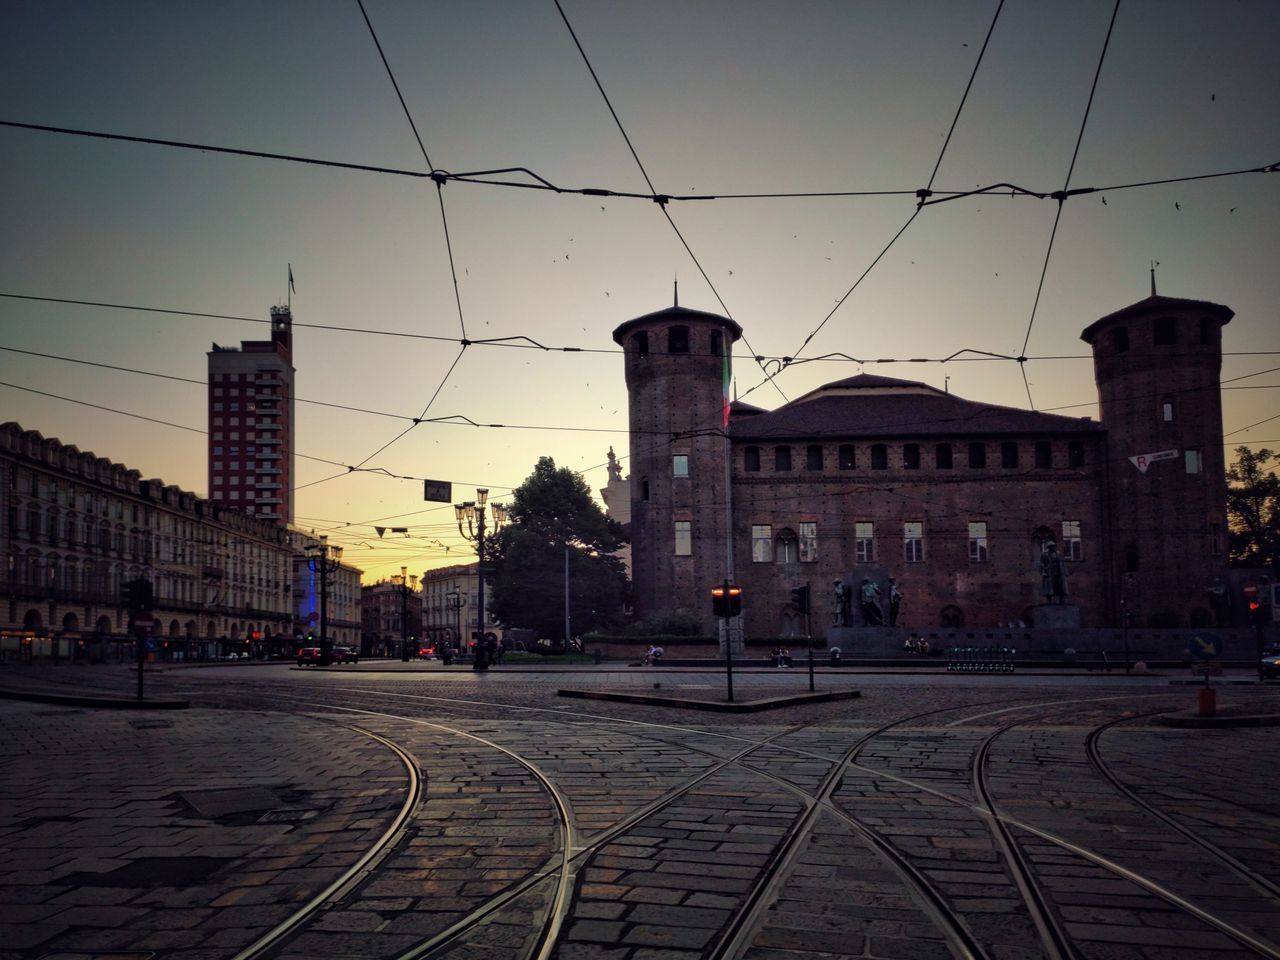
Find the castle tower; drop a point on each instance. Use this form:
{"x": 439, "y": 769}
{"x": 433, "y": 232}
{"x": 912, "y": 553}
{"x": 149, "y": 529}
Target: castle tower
{"x": 1157, "y": 364}
{"x": 678, "y": 363}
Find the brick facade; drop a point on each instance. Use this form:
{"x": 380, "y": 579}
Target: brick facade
{"x": 877, "y": 477}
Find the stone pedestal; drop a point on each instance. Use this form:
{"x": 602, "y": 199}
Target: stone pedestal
{"x": 1055, "y": 616}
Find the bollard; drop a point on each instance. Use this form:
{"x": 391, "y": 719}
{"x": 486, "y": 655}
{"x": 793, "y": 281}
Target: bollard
{"x": 1208, "y": 701}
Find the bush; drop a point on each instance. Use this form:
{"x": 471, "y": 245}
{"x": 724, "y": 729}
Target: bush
{"x": 678, "y": 623}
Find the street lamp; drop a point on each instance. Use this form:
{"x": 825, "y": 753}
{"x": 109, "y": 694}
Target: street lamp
{"x": 457, "y": 601}
{"x": 473, "y": 513}
{"x": 323, "y": 560}
{"x": 408, "y": 584}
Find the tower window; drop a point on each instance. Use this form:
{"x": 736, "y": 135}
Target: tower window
{"x": 813, "y": 457}
{"x": 678, "y": 340}
{"x": 784, "y": 548}
{"x": 680, "y": 465}
{"x": 1075, "y": 453}
{"x": 717, "y": 343}
{"x": 879, "y": 456}
{"x": 978, "y": 541}
{"x": 751, "y": 459}
{"x": 1120, "y": 339}
{"x": 911, "y": 456}
{"x": 1166, "y": 410}
{"x": 1009, "y": 455}
{"x": 1164, "y": 331}
{"x": 644, "y": 490}
{"x": 1206, "y": 330}
{"x": 1044, "y": 455}
{"x": 640, "y": 343}
{"x": 977, "y": 456}
{"x": 913, "y": 541}
{"x": 942, "y": 458}
{"x": 684, "y": 538}
{"x": 1072, "y": 544}
{"x": 864, "y": 533}
{"x": 782, "y": 459}
{"x": 761, "y": 543}
{"x": 848, "y": 458}
{"x": 1193, "y": 461}
{"x": 808, "y": 541}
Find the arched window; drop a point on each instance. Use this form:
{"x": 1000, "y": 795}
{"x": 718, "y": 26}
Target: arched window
{"x": 952, "y": 617}
{"x": 677, "y": 340}
{"x": 1043, "y": 454}
{"x": 640, "y": 343}
{"x": 879, "y": 456}
{"x": 782, "y": 459}
{"x": 911, "y": 456}
{"x": 1164, "y": 331}
{"x": 785, "y": 547}
{"x": 813, "y": 457}
{"x": 848, "y": 457}
{"x": 1120, "y": 339}
{"x": 942, "y": 457}
{"x": 751, "y": 459}
{"x": 717, "y": 343}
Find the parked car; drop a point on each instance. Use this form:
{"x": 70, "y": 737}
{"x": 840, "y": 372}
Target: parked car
{"x": 309, "y": 655}
{"x": 345, "y": 655}
{"x": 1271, "y": 661}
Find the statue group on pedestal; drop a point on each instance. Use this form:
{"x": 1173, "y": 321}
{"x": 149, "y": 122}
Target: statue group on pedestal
{"x": 870, "y": 603}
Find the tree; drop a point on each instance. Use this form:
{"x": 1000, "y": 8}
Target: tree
{"x": 1253, "y": 509}
{"x": 550, "y": 513}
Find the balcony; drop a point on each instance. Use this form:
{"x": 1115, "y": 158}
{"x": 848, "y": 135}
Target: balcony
{"x": 268, "y": 455}
{"x": 270, "y": 440}
{"x": 267, "y": 425}
{"x": 267, "y": 485}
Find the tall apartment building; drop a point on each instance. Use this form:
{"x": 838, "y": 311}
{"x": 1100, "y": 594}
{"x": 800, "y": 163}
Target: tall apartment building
{"x": 251, "y": 423}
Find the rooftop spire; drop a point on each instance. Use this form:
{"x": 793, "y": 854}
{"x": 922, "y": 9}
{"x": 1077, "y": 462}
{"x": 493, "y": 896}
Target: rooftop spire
{"x": 1154, "y": 264}
{"x": 676, "y": 293}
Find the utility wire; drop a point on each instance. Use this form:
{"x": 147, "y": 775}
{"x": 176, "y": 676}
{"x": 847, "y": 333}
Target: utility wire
{"x": 390, "y": 75}
{"x": 1061, "y": 199}
{"x": 659, "y": 199}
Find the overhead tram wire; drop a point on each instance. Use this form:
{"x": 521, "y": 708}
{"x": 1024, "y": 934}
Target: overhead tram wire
{"x": 474, "y": 177}
{"x": 1061, "y": 197}
{"x": 659, "y": 199}
{"x": 921, "y": 194}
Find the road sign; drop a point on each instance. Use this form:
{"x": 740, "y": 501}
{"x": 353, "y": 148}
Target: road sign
{"x": 1205, "y": 646}
{"x": 144, "y": 623}
{"x": 1144, "y": 460}
{"x": 440, "y": 491}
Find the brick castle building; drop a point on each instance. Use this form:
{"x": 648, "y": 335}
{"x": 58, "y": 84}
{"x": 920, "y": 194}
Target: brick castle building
{"x": 956, "y": 500}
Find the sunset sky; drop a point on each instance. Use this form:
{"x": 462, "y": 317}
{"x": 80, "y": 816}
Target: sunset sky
{"x": 717, "y": 98}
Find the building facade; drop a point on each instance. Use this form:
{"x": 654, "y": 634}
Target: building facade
{"x": 449, "y": 598}
{"x": 952, "y": 503}
{"x": 77, "y": 526}
{"x": 251, "y": 423}
{"x": 388, "y": 616}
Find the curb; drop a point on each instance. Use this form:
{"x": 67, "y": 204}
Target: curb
{"x": 100, "y": 703}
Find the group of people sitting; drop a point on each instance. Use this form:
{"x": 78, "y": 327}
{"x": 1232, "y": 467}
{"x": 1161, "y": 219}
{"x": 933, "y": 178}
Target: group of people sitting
{"x": 652, "y": 655}
{"x": 781, "y": 657}
{"x": 914, "y": 644}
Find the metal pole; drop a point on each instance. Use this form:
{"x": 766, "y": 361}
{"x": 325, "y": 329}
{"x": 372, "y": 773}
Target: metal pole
{"x": 568, "y": 629}
{"x": 324, "y": 608}
{"x": 808, "y": 629}
{"x": 404, "y": 622}
{"x": 480, "y": 662}
{"x": 139, "y": 636}
{"x": 728, "y": 647}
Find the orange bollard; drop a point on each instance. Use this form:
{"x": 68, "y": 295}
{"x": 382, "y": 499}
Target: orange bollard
{"x": 1208, "y": 701}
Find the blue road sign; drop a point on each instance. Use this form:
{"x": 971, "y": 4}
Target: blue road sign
{"x": 1205, "y": 646}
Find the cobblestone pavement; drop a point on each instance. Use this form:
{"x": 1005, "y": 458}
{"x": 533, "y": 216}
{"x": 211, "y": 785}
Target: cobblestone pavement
{"x": 413, "y": 811}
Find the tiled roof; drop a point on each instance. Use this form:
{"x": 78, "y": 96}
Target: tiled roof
{"x": 898, "y": 408}
{"x": 1154, "y": 304}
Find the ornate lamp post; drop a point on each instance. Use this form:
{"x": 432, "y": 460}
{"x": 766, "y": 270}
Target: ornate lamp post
{"x": 406, "y": 585}
{"x": 457, "y": 601}
{"x": 472, "y": 513}
{"x": 323, "y": 560}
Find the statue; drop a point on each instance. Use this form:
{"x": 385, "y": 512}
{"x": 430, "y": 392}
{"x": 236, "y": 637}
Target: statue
{"x": 872, "y": 612}
{"x": 840, "y": 616}
{"x": 1220, "y": 603}
{"x": 615, "y": 471}
{"x": 895, "y": 601}
{"x": 1053, "y": 574}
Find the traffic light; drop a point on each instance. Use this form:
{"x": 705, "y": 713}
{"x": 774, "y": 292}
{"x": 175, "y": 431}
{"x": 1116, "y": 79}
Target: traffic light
{"x": 800, "y": 598}
{"x": 726, "y": 603}
{"x": 130, "y": 593}
{"x": 137, "y": 595}
{"x": 1257, "y": 611}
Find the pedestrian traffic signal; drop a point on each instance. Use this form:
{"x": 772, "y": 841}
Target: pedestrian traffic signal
{"x": 726, "y": 600}
{"x": 1258, "y": 611}
{"x": 800, "y": 598}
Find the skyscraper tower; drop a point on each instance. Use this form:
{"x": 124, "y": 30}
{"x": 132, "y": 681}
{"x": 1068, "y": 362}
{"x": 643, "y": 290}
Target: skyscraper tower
{"x": 678, "y": 363}
{"x": 1158, "y": 365}
{"x": 251, "y": 423}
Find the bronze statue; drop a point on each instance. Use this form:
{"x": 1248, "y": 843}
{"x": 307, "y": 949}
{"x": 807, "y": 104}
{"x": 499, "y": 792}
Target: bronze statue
{"x": 872, "y": 612}
{"x": 1053, "y": 574}
{"x": 840, "y": 615}
{"x": 895, "y": 601}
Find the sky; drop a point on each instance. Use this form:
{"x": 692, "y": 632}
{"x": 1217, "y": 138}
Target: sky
{"x": 716, "y": 98}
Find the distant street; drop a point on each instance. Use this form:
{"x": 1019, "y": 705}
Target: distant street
{"x": 410, "y": 810}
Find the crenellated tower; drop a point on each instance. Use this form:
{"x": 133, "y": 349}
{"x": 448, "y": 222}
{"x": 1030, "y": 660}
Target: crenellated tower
{"x": 1158, "y": 365}
{"x": 678, "y": 364}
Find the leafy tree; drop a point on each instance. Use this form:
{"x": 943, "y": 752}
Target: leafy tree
{"x": 551, "y": 512}
{"x": 1253, "y": 509}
